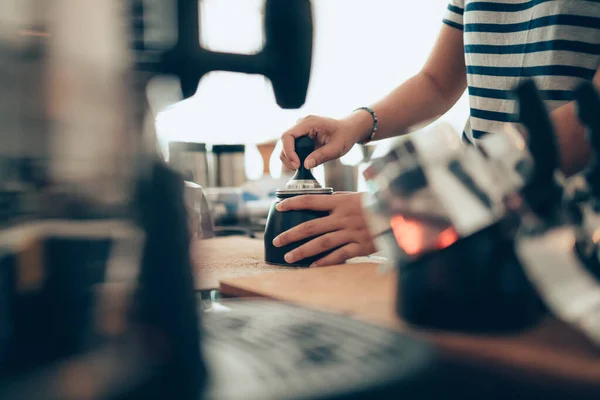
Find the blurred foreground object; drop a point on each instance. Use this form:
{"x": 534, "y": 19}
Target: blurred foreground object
{"x": 441, "y": 215}
{"x": 174, "y": 49}
{"x": 558, "y": 245}
{"x": 484, "y": 237}
{"x": 93, "y": 216}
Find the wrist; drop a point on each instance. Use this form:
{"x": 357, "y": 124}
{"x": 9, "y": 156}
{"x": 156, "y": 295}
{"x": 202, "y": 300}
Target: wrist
{"x": 360, "y": 124}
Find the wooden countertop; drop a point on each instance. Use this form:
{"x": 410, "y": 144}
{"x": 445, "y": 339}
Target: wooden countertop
{"x": 232, "y": 256}
{"x": 226, "y": 257}
{"x": 551, "y": 354}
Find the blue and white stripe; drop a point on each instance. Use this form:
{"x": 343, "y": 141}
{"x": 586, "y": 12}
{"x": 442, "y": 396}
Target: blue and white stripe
{"x": 556, "y": 42}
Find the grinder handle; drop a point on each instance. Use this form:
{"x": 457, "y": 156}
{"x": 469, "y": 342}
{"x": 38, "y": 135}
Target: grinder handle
{"x": 542, "y": 192}
{"x": 588, "y": 110}
{"x": 541, "y": 138}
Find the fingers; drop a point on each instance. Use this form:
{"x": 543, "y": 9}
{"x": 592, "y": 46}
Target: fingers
{"x": 309, "y": 229}
{"x": 288, "y": 155}
{"x": 286, "y": 163}
{"x": 309, "y": 202}
{"x": 340, "y": 255}
{"x": 330, "y": 151}
{"x": 319, "y": 245}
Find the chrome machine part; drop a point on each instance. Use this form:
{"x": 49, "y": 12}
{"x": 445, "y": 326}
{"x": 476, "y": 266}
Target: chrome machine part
{"x": 303, "y": 186}
{"x": 191, "y": 160}
{"x": 199, "y": 213}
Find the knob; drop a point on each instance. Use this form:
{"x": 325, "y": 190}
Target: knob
{"x": 304, "y": 146}
{"x": 541, "y": 140}
{"x": 588, "y": 107}
{"x": 542, "y": 192}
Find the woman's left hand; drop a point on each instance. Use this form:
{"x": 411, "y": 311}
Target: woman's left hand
{"x": 344, "y": 228}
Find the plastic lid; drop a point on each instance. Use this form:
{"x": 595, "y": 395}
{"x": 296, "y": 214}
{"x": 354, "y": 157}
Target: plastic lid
{"x": 228, "y": 148}
{"x": 187, "y": 146}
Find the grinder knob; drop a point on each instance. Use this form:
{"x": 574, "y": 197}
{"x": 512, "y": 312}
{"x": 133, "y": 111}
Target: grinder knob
{"x": 588, "y": 107}
{"x": 304, "y": 146}
{"x": 543, "y": 193}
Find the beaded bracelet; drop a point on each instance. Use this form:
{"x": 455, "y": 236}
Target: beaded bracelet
{"x": 372, "y": 134}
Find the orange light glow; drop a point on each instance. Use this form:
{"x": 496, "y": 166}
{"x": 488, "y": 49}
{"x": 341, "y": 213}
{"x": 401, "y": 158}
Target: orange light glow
{"x": 408, "y": 234}
{"x": 415, "y": 237}
{"x": 446, "y": 238}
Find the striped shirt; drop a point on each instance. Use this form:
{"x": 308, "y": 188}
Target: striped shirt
{"x": 555, "y": 42}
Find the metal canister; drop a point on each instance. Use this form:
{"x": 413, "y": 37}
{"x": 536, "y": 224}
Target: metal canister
{"x": 200, "y": 218}
{"x": 342, "y": 177}
{"x": 229, "y": 165}
{"x": 191, "y": 160}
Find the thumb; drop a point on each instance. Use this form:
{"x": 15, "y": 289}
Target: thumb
{"x": 323, "y": 154}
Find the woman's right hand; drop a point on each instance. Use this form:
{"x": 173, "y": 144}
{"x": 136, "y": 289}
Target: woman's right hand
{"x": 333, "y": 138}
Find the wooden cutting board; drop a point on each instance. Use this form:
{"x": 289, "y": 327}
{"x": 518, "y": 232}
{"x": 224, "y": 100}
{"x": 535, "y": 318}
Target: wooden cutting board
{"x": 551, "y": 353}
{"x": 349, "y": 288}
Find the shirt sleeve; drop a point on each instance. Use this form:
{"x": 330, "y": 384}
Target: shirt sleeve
{"x": 454, "y": 14}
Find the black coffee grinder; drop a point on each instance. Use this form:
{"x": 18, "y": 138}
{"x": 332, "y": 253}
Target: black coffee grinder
{"x": 303, "y": 183}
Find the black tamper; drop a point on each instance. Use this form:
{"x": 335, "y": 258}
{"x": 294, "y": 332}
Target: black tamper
{"x": 303, "y": 183}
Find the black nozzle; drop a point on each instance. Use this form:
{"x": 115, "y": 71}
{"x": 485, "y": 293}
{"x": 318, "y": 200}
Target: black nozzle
{"x": 288, "y": 49}
{"x": 588, "y": 110}
{"x": 304, "y": 145}
{"x": 542, "y": 192}
{"x": 540, "y": 132}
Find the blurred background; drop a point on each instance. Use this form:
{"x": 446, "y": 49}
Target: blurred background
{"x": 362, "y": 50}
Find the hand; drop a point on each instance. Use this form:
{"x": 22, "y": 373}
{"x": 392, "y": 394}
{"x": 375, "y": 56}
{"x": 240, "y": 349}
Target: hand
{"x": 333, "y": 138}
{"x": 345, "y": 227}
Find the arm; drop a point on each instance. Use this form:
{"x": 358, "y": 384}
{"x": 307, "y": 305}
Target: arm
{"x": 575, "y": 150}
{"x": 422, "y": 98}
{"x": 425, "y": 96}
